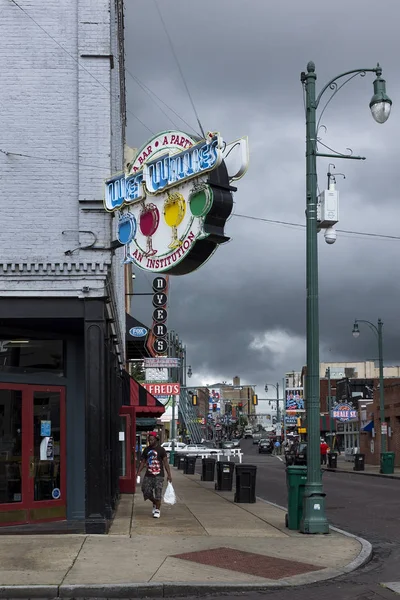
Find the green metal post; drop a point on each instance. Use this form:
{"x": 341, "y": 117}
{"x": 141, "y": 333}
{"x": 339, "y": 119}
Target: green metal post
{"x": 381, "y": 386}
{"x": 278, "y": 415}
{"x": 330, "y": 408}
{"x": 314, "y": 517}
{"x": 172, "y": 353}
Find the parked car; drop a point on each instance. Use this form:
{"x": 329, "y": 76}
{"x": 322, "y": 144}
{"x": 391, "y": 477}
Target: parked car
{"x": 297, "y": 456}
{"x": 265, "y": 446}
{"x": 230, "y": 444}
{"x": 168, "y": 446}
{"x": 197, "y": 449}
{"x": 208, "y": 443}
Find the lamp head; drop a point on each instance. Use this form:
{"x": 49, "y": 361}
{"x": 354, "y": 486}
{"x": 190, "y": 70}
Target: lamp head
{"x": 356, "y": 331}
{"x": 380, "y": 104}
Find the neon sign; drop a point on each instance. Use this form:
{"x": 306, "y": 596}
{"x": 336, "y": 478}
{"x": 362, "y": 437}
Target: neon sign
{"x": 175, "y": 198}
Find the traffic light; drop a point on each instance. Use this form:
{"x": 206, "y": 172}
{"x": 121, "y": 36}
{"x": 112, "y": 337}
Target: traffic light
{"x": 240, "y": 407}
{"x": 214, "y": 408}
{"x": 255, "y": 399}
{"x": 194, "y": 400}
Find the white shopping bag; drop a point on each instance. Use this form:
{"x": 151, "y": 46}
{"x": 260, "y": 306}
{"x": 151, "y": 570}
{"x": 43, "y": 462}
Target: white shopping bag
{"x": 169, "y": 495}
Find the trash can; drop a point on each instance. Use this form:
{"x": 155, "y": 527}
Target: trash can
{"x": 296, "y": 478}
{"x": 359, "y": 462}
{"x": 387, "y": 463}
{"x": 189, "y": 465}
{"x": 208, "y": 469}
{"x": 289, "y": 458}
{"x": 181, "y": 461}
{"x": 332, "y": 460}
{"x": 224, "y": 476}
{"x": 245, "y": 484}
{"x": 176, "y": 459}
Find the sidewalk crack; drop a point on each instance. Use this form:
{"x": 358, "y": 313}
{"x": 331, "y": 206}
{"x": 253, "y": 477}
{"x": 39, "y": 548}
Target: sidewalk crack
{"x": 131, "y": 519}
{"x": 73, "y": 564}
{"x": 154, "y": 574}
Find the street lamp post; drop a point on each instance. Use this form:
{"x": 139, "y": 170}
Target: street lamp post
{"x": 378, "y": 331}
{"x": 276, "y": 386}
{"x": 314, "y": 517}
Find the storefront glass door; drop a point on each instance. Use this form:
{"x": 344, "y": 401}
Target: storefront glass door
{"x": 127, "y": 432}
{"x": 32, "y": 454}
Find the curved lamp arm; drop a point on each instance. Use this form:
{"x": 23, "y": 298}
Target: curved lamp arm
{"x": 370, "y": 325}
{"x": 332, "y": 82}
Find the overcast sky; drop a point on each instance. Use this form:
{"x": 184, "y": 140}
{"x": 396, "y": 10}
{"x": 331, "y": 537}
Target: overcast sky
{"x": 243, "y": 313}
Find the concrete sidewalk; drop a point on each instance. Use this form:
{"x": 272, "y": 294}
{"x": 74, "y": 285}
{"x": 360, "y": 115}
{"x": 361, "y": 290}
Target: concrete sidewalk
{"x": 204, "y": 543}
{"x": 372, "y": 470}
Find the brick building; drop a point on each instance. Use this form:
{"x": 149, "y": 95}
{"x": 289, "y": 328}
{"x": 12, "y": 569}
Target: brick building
{"x": 62, "y": 324}
{"x": 371, "y": 436}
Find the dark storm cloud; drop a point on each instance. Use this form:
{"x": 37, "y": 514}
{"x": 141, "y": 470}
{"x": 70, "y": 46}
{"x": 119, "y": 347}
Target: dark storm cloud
{"x": 244, "y": 312}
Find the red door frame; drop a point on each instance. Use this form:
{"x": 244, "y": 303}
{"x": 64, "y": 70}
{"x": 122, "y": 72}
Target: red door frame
{"x": 127, "y": 484}
{"x": 28, "y": 503}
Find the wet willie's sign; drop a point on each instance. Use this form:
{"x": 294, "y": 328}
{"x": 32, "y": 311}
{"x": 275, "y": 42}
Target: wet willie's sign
{"x": 176, "y": 198}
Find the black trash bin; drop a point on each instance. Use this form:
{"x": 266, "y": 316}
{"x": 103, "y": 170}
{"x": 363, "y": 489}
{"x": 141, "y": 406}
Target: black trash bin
{"x": 224, "y": 476}
{"x": 181, "y": 461}
{"x": 207, "y": 469}
{"x": 332, "y": 460}
{"x": 176, "y": 459}
{"x": 189, "y": 467}
{"x": 359, "y": 462}
{"x": 246, "y": 484}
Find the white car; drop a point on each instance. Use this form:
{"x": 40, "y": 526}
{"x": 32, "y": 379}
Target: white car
{"x": 168, "y": 446}
{"x": 198, "y": 449}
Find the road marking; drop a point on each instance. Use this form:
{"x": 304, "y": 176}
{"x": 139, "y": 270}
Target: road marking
{"x": 279, "y": 458}
{"x": 394, "y": 586}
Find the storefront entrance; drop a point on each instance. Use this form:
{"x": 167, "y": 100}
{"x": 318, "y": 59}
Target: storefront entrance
{"x": 32, "y": 454}
{"x": 127, "y": 435}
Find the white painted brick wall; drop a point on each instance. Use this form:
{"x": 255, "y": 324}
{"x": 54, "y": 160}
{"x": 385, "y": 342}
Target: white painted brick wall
{"x": 51, "y": 107}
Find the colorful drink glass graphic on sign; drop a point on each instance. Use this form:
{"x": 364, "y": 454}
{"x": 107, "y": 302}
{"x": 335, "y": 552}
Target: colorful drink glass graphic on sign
{"x": 178, "y": 190}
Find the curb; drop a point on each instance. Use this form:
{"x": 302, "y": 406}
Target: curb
{"x": 362, "y": 473}
{"x": 365, "y": 553}
{"x": 179, "y": 589}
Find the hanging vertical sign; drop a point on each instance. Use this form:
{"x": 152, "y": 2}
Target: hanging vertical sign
{"x": 160, "y": 300}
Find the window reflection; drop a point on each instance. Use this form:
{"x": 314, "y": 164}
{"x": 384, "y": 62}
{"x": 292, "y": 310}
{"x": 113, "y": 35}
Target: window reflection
{"x": 10, "y": 446}
{"x": 47, "y": 438}
{"x": 28, "y": 356}
{"x": 122, "y": 439}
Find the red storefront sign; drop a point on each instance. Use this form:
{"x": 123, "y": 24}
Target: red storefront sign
{"x": 163, "y": 389}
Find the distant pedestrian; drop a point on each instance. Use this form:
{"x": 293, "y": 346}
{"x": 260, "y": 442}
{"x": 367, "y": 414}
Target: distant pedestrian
{"x": 154, "y": 458}
{"x": 324, "y": 448}
{"x": 277, "y": 447}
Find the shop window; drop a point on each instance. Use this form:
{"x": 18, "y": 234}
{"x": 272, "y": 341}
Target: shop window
{"x": 32, "y": 356}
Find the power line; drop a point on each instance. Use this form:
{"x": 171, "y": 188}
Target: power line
{"x": 179, "y": 67}
{"x": 75, "y": 60}
{"x": 301, "y": 226}
{"x": 58, "y": 160}
{"x": 151, "y": 93}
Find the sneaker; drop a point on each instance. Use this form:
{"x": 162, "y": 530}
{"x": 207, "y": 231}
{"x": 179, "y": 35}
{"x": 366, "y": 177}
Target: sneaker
{"x": 156, "y": 514}
{"x": 154, "y": 509}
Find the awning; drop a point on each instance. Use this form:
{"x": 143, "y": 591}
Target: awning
{"x": 136, "y": 347}
{"x": 146, "y": 405}
{"x": 368, "y": 427}
{"x": 134, "y": 394}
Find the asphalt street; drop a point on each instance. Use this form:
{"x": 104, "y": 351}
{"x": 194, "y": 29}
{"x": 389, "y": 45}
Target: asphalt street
{"x": 365, "y": 506}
